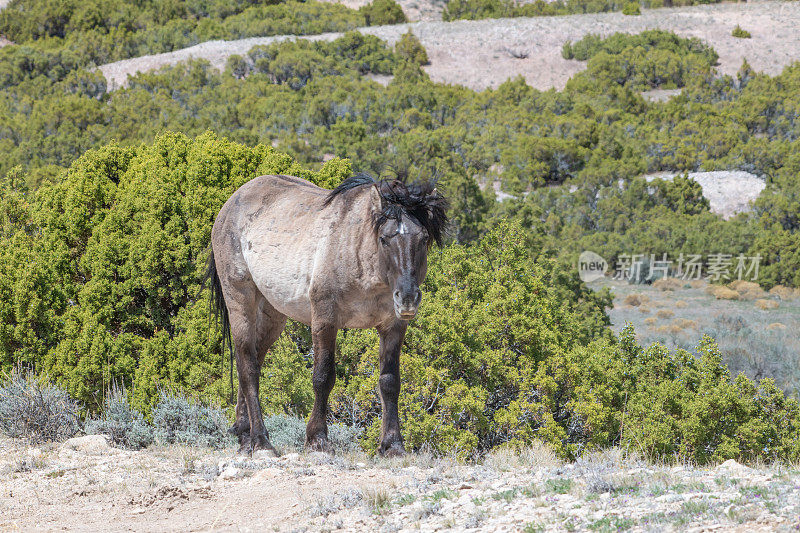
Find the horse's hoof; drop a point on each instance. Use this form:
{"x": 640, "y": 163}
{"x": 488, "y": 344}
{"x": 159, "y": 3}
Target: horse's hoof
{"x": 260, "y": 443}
{"x": 245, "y": 450}
{"x": 319, "y": 443}
{"x": 394, "y": 449}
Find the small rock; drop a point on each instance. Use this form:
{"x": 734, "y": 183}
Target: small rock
{"x": 90, "y": 444}
{"x": 464, "y": 486}
{"x": 733, "y": 466}
{"x": 267, "y": 473}
{"x": 363, "y": 465}
{"x": 34, "y": 453}
{"x": 230, "y": 473}
{"x": 264, "y": 454}
{"x": 291, "y": 457}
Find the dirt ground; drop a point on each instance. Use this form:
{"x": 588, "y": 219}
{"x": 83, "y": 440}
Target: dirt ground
{"x": 85, "y": 485}
{"x": 477, "y": 54}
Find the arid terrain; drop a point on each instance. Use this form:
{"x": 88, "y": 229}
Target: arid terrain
{"x": 476, "y": 53}
{"x": 85, "y": 485}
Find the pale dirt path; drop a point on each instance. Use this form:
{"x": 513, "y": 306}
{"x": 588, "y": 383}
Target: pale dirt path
{"x": 474, "y": 53}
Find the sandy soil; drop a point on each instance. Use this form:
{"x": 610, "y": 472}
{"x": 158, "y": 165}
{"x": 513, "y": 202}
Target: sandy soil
{"x": 84, "y": 485}
{"x": 476, "y": 53}
{"x": 728, "y": 192}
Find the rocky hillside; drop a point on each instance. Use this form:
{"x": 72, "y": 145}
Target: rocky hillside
{"x": 480, "y": 54}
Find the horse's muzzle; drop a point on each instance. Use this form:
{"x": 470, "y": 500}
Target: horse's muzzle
{"x": 405, "y": 305}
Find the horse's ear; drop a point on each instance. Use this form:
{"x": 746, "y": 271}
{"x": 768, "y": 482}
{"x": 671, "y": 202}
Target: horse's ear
{"x": 436, "y": 206}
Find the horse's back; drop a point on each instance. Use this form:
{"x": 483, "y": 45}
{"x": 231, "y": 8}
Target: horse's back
{"x": 276, "y": 231}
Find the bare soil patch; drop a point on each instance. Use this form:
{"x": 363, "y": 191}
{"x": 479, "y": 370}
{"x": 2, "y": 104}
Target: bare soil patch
{"x": 475, "y": 53}
{"x": 80, "y": 488}
{"x": 728, "y": 192}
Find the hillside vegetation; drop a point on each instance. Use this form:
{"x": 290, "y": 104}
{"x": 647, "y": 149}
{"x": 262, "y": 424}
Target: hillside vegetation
{"x": 481, "y": 9}
{"x": 106, "y": 217}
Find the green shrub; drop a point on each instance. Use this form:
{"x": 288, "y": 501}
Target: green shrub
{"x": 32, "y": 408}
{"x": 470, "y": 359}
{"x": 380, "y": 12}
{"x": 739, "y": 33}
{"x": 124, "y": 425}
{"x": 408, "y": 48}
{"x": 110, "y": 290}
{"x": 631, "y": 8}
{"x": 653, "y": 58}
{"x": 179, "y": 420}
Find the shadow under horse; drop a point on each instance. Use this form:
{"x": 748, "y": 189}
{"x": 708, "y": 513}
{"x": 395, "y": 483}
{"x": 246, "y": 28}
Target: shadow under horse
{"x": 353, "y": 257}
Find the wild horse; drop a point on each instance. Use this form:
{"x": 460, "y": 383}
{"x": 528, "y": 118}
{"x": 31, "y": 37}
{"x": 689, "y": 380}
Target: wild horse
{"x": 353, "y": 257}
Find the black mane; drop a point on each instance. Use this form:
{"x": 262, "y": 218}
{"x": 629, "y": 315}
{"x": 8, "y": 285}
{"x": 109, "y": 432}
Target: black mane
{"x": 418, "y": 200}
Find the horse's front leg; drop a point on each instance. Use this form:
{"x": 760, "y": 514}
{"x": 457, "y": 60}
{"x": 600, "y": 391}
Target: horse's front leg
{"x": 323, "y": 336}
{"x": 389, "y": 385}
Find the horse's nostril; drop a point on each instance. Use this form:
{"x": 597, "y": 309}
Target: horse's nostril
{"x": 396, "y": 295}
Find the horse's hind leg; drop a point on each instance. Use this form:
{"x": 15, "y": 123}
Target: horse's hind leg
{"x": 269, "y": 325}
{"x": 254, "y": 327}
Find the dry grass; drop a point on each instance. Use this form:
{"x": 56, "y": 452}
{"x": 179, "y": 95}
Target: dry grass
{"x": 665, "y": 313}
{"x": 681, "y": 304}
{"x": 697, "y": 283}
{"x": 535, "y": 456}
{"x": 668, "y": 284}
{"x": 776, "y": 326}
{"x": 747, "y": 290}
{"x": 636, "y": 299}
{"x": 784, "y": 293}
{"x": 722, "y": 293}
{"x": 650, "y": 321}
{"x": 685, "y": 323}
{"x": 765, "y": 305}
{"x": 644, "y": 309}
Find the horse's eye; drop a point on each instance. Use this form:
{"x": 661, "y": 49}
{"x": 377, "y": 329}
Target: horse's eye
{"x": 384, "y": 241}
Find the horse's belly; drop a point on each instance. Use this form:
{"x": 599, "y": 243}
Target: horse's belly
{"x": 284, "y": 279}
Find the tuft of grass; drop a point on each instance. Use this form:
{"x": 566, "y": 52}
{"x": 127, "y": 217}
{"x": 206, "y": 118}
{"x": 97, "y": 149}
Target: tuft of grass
{"x": 784, "y": 293}
{"x": 635, "y": 300}
{"x": 722, "y": 293}
{"x": 441, "y": 494}
{"x": 377, "y": 500}
{"x": 34, "y": 409}
{"x": 740, "y": 33}
{"x": 748, "y": 290}
{"x": 558, "y": 485}
{"x": 406, "y": 499}
{"x": 668, "y": 284}
{"x": 533, "y": 527}
{"x": 665, "y": 313}
{"x": 612, "y": 523}
{"x": 766, "y": 305}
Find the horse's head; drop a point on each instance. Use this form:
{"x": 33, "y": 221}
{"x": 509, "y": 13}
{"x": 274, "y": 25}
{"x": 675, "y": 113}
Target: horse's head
{"x": 407, "y": 219}
{"x": 411, "y": 219}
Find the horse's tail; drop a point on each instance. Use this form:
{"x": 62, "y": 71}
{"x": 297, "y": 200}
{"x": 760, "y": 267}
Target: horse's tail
{"x": 220, "y": 310}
